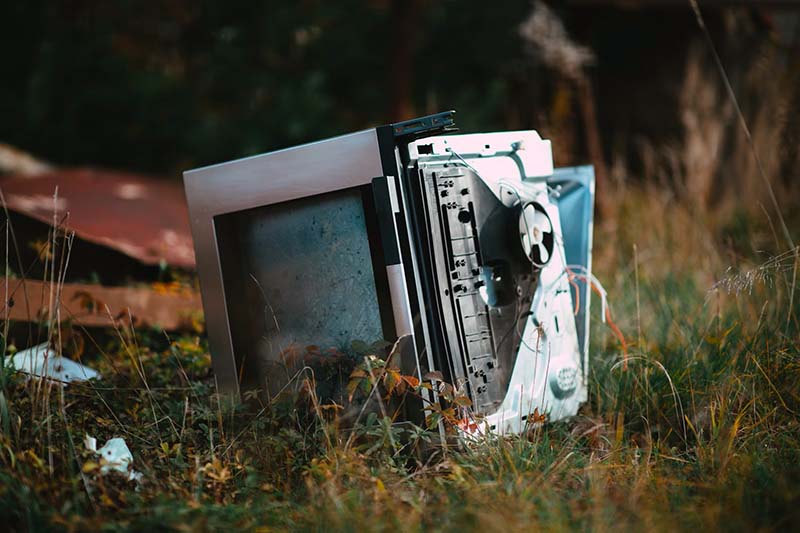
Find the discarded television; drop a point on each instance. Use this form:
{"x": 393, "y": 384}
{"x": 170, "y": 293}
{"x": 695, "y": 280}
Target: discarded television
{"x": 465, "y": 246}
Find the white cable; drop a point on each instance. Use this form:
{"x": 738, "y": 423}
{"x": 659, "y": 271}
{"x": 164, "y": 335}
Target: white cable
{"x": 596, "y": 282}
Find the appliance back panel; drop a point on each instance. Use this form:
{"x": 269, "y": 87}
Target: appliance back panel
{"x": 474, "y": 235}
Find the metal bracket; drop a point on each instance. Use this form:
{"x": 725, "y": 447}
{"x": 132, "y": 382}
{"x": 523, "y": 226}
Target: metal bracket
{"x": 424, "y": 126}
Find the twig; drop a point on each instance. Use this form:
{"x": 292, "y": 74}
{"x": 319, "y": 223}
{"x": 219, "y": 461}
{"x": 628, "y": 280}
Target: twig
{"x": 380, "y": 402}
{"x": 638, "y": 306}
{"x": 732, "y": 94}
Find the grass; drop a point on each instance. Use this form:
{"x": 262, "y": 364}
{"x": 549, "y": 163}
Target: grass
{"x": 699, "y": 430}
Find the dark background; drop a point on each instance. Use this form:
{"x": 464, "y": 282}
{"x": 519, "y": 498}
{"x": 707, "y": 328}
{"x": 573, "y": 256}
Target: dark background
{"x": 166, "y": 85}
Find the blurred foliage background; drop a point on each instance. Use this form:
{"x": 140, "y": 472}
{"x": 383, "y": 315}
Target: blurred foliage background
{"x": 167, "y": 85}
{"x": 172, "y": 83}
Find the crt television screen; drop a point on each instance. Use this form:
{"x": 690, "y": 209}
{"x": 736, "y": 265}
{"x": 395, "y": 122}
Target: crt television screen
{"x": 298, "y": 273}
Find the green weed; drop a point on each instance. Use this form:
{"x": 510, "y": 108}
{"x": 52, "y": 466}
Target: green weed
{"x": 696, "y": 428}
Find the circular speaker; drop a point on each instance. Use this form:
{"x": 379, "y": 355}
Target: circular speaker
{"x": 536, "y": 234}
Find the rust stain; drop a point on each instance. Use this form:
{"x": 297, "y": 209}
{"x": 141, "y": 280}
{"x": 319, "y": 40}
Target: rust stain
{"x": 97, "y": 306}
{"x": 141, "y": 216}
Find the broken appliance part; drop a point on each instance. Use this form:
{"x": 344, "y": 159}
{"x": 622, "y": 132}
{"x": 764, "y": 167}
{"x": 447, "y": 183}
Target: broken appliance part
{"x": 42, "y": 362}
{"x": 460, "y": 242}
{"x": 140, "y": 216}
{"x": 169, "y": 307}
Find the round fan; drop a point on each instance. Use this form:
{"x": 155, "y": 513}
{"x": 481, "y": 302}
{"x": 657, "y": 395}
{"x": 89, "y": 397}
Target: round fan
{"x": 536, "y": 234}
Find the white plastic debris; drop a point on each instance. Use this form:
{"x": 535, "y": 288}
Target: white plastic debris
{"x": 90, "y": 443}
{"x": 41, "y": 361}
{"x": 114, "y": 456}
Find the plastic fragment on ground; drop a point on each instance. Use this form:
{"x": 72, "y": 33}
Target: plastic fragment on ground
{"x": 40, "y": 361}
{"x": 90, "y": 443}
{"x": 114, "y": 456}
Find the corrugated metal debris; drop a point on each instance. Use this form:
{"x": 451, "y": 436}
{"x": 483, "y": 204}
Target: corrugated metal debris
{"x": 143, "y": 217}
{"x": 166, "y": 306}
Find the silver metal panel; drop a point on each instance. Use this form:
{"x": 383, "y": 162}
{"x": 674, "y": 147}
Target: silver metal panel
{"x": 399, "y": 295}
{"x": 325, "y": 166}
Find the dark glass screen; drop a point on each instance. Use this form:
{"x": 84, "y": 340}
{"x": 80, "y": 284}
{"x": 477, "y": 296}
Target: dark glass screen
{"x": 297, "y": 273}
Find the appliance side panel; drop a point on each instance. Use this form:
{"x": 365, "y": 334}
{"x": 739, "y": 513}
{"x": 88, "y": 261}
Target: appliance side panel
{"x": 576, "y": 205}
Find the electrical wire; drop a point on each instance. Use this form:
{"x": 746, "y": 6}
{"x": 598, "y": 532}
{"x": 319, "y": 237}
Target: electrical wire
{"x": 598, "y": 288}
{"x": 587, "y": 277}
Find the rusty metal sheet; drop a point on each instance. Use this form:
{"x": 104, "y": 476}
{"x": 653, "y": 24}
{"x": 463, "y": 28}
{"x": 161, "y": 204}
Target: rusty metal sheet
{"x": 168, "y": 307}
{"x": 140, "y": 216}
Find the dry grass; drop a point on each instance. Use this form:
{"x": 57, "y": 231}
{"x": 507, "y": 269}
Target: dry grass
{"x": 701, "y": 430}
{"x": 698, "y": 432}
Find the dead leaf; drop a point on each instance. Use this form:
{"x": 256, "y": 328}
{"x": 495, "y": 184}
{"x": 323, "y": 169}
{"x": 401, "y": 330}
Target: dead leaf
{"x": 434, "y": 376}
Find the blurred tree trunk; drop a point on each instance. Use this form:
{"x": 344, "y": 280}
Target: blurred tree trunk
{"x": 594, "y": 143}
{"x": 790, "y": 165}
{"x": 401, "y": 66}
